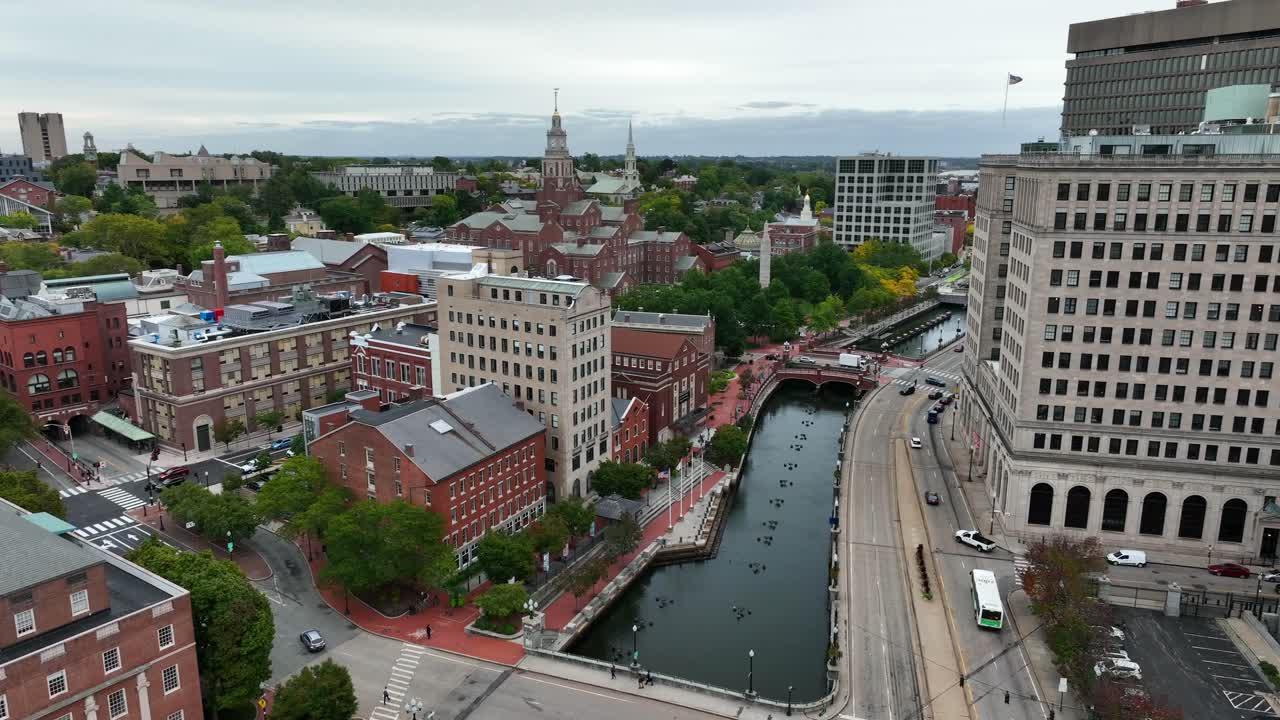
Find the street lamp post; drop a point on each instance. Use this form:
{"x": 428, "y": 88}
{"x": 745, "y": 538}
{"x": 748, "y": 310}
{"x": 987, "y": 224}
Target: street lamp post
{"x": 635, "y": 651}
{"x": 413, "y": 707}
{"x": 790, "y": 688}
{"x": 751, "y": 672}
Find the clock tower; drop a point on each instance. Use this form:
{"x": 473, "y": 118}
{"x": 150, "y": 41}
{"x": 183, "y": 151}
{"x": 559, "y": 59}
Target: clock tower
{"x": 559, "y": 183}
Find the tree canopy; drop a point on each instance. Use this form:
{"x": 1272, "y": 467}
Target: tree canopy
{"x": 373, "y": 545}
{"x": 317, "y": 692}
{"x": 626, "y": 479}
{"x": 502, "y": 556}
{"x": 727, "y": 446}
{"x": 24, "y": 489}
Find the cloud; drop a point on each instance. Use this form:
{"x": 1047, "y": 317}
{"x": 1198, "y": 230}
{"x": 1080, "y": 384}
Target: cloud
{"x": 773, "y": 105}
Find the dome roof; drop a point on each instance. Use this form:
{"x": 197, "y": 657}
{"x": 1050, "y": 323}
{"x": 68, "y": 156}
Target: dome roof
{"x": 747, "y": 240}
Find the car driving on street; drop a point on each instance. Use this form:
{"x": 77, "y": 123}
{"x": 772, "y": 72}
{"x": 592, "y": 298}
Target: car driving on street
{"x": 975, "y": 539}
{"x": 1230, "y": 570}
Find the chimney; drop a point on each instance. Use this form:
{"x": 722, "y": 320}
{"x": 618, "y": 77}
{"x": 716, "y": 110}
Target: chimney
{"x": 728, "y": 235}
{"x": 220, "y": 274}
{"x": 408, "y": 449}
{"x": 351, "y": 237}
{"x": 278, "y": 241}
{"x": 327, "y": 234}
{"x": 178, "y": 269}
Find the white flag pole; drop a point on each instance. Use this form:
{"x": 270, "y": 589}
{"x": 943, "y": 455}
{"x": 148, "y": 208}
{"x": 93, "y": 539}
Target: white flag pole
{"x": 1005, "y": 110}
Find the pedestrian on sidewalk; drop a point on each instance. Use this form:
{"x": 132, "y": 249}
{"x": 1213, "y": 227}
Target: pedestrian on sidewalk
{"x": 648, "y": 678}
{"x": 386, "y": 696}
{"x": 613, "y": 672}
{"x": 639, "y": 682}
{"x": 428, "y": 632}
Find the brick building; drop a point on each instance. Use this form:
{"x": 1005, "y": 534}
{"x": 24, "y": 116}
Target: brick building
{"x": 630, "y": 429}
{"x": 61, "y": 356}
{"x": 701, "y": 329}
{"x": 39, "y": 194}
{"x": 666, "y": 370}
{"x": 88, "y": 634}
{"x": 192, "y": 371}
{"x": 396, "y": 362}
{"x": 472, "y": 457}
{"x": 718, "y": 255}
{"x": 368, "y": 260}
{"x": 967, "y": 202}
{"x": 795, "y": 233}
{"x": 229, "y": 279}
{"x": 957, "y": 226}
{"x": 565, "y": 233}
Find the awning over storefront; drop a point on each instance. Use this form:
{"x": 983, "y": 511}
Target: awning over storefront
{"x": 121, "y": 427}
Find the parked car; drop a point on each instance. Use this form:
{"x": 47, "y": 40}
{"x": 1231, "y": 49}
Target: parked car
{"x": 935, "y": 394}
{"x": 1271, "y": 576}
{"x": 932, "y": 498}
{"x": 936, "y": 381}
{"x": 907, "y": 390}
{"x": 281, "y": 443}
{"x": 947, "y": 398}
{"x": 312, "y": 640}
{"x": 916, "y": 443}
{"x": 975, "y": 539}
{"x": 1118, "y": 669}
{"x": 958, "y": 348}
{"x": 1230, "y": 570}
{"x": 172, "y": 476}
{"x": 1112, "y": 633}
{"x": 1136, "y": 558}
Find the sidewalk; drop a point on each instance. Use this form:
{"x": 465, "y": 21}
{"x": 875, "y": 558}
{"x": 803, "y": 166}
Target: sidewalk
{"x": 1037, "y": 647}
{"x": 252, "y": 441}
{"x": 159, "y": 520}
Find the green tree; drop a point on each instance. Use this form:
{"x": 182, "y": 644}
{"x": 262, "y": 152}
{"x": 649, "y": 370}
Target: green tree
{"x": 115, "y": 199}
{"x": 727, "y": 446}
{"x": 625, "y": 479}
{"x": 223, "y": 230}
{"x": 24, "y": 489}
{"x": 217, "y": 517}
{"x": 78, "y": 179}
{"x": 826, "y": 315}
{"x": 374, "y": 545}
{"x": 262, "y": 460}
{"x": 15, "y": 423}
{"x": 269, "y": 419}
{"x": 317, "y": 692}
{"x": 41, "y": 257}
{"x": 444, "y": 211}
{"x": 622, "y": 537}
{"x": 548, "y": 533}
{"x": 583, "y": 577}
{"x": 137, "y": 237}
{"x": 232, "y": 621}
{"x": 226, "y": 431}
{"x": 442, "y": 163}
{"x": 330, "y": 503}
{"x": 577, "y": 514}
{"x": 20, "y": 220}
{"x": 502, "y": 556}
{"x": 295, "y": 487}
{"x": 298, "y": 446}
{"x": 108, "y": 264}
{"x": 503, "y": 601}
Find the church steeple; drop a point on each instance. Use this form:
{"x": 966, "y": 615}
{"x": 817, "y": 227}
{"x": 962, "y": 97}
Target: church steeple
{"x": 558, "y": 180}
{"x": 630, "y": 174}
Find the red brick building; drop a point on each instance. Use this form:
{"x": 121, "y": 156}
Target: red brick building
{"x": 395, "y": 361}
{"x": 242, "y": 279}
{"x": 718, "y": 255}
{"x": 665, "y": 370}
{"x": 61, "y": 357}
{"x": 368, "y": 260}
{"x": 968, "y": 202}
{"x": 958, "y": 223}
{"x": 472, "y": 457}
{"x": 33, "y": 193}
{"x": 700, "y": 328}
{"x": 630, "y": 429}
{"x": 88, "y": 634}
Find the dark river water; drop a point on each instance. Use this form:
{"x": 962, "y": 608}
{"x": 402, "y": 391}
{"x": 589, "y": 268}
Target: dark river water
{"x": 766, "y": 589}
{"x": 933, "y": 338}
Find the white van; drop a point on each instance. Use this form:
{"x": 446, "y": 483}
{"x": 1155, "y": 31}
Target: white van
{"x": 1136, "y": 558}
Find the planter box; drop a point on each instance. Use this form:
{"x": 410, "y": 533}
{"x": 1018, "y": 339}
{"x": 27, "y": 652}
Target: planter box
{"x": 473, "y": 630}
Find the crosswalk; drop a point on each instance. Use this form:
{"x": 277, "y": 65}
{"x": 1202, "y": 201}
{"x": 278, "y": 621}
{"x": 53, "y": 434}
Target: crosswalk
{"x": 71, "y": 492}
{"x": 111, "y": 525}
{"x": 1020, "y": 565}
{"x": 102, "y": 483}
{"x": 122, "y": 497}
{"x": 402, "y": 672}
{"x": 952, "y": 378}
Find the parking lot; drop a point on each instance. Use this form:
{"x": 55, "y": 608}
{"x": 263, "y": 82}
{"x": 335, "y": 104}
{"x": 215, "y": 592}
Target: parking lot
{"x": 1192, "y": 664}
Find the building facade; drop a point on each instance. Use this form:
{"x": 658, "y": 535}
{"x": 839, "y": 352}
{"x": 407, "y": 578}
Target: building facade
{"x": 885, "y": 197}
{"x": 89, "y": 634}
{"x": 667, "y": 372}
{"x": 230, "y": 279}
{"x": 1123, "y": 324}
{"x": 63, "y": 357}
{"x": 191, "y": 374}
{"x": 795, "y": 233}
{"x": 396, "y": 362}
{"x": 16, "y": 166}
{"x": 951, "y": 202}
{"x": 402, "y": 186}
{"x": 546, "y": 344}
{"x": 33, "y": 193}
{"x": 167, "y": 178}
{"x": 701, "y": 329}
{"x": 630, "y": 429}
{"x": 1152, "y": 70}
{"x": 43, "y": 137}
{"x": 471, "y": 457}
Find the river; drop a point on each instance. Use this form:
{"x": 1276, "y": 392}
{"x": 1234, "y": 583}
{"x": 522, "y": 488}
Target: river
{"x": 933, "y": 338}
{"x": 766, "y": 588}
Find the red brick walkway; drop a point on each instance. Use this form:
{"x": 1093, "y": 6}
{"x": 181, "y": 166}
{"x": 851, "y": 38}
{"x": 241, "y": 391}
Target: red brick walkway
{"x": 254, "y": 567}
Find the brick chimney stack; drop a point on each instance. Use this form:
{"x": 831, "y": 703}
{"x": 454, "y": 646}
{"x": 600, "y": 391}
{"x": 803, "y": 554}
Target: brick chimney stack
{"x": 220, "y": 273}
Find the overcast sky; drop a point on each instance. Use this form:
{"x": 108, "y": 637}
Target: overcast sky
{"x": 475, "y": 78}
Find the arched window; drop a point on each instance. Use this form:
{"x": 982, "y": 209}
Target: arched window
{"x": 1040, "y": 508}
{"x": 515, "y": 270}
{"x": 38, "y": 383}
{"x": 57, "y": 355}
{"x": 552, "y": 268}
{"x": 69, "y": 354}
{"x": 68, "y": 379}
{"x": 41, "y": 358}
{"x": 1077, "y": 515}
{"x": 28, "y": 360}
{"x": 1231, "y": 523}
{"x": 1191, "y": 524}
{"x": 1153, "y": 507}
{"x": 1115, "y": 510}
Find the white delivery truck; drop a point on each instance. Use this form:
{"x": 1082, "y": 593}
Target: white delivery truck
{"x": 851, "y": 360}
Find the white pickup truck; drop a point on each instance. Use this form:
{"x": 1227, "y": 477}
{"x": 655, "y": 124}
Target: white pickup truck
{"x": 975, "y": 539}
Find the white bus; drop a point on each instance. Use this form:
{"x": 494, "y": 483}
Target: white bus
{"x": 987, "y": 610}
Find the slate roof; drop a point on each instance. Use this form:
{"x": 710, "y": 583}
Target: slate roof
{"x": 516, "y": 222}
{"x": 666, "y": 236}
{"x": 329, "y": 252}
{"x": 33, "y": 556}
{"x": 612, "y": 213}
{"x": 588, "y": 250}
{"x": 480, "y": 422}
{"x": 686, "y": 263}
{"x": 19, "y": 283}
{"x": 277, "y": 262}
{"x": 649, "y": 344}
{"x": 611, "y": 279}
{"x": 578, "y": 207}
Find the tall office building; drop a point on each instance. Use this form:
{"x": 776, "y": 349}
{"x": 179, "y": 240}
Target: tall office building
{"x": 886, "y": 197}
{"x": 1124, "y": 319}
{"x": 546, "y": 344}
{"x": 43, "y": 138}
{"x": 1153, "y": 69}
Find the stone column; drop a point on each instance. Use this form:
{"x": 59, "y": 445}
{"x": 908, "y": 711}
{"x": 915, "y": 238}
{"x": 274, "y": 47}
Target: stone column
{"x": 144, "y": 696}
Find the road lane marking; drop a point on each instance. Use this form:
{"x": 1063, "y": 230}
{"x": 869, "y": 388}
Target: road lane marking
{"x": 1211, "y": 637}
{"x": 570, "y": 687}
{"x": 1228, "y": 677}
{"x": 1229, "y": 650}
{"x": 412, "y": 649}
{"x": 1218, "y": 662}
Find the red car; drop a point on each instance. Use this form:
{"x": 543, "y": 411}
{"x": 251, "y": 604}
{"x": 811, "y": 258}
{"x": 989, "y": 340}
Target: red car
{"x": 1230, "y": 570}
